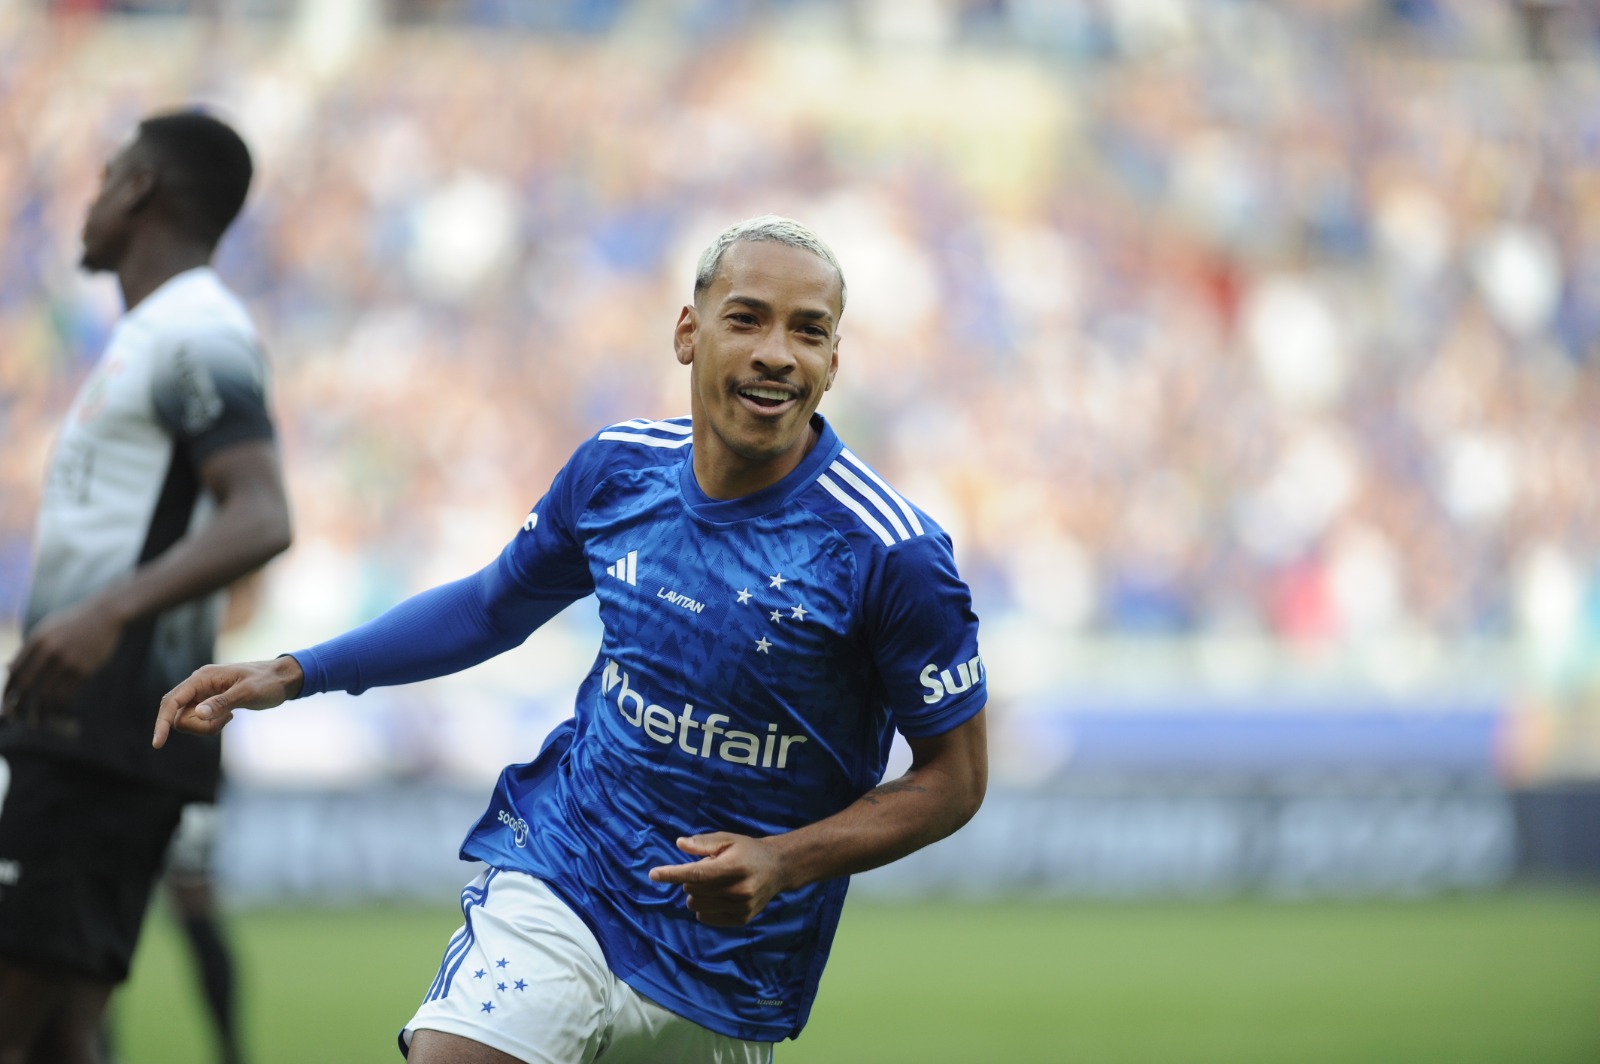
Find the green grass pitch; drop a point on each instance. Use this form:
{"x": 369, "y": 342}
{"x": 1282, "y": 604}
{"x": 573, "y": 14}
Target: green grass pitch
{"x": 1491, "y": 979}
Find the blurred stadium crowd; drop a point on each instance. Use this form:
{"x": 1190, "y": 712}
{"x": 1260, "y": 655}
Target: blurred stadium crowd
{"x": 1261, "y": 324}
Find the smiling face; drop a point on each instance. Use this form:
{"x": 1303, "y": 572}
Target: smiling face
{"x": 762, "y": 345}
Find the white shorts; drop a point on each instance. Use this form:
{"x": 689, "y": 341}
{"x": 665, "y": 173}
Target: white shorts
{"x": 524, "y": 975}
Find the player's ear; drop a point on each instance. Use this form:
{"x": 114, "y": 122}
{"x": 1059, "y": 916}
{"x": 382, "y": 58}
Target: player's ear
{"x": 683, "y": 335}
{"x": 139, "y": 180}
{"x": 140, "y": 188}
{"x": 833, "y": 363}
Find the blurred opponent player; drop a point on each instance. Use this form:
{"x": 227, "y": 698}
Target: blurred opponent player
{"x": 664, "y": 879}
{"x": 191, "y": 877}
{"x": 163, "y": 488}
{"x": 190, "y": 883}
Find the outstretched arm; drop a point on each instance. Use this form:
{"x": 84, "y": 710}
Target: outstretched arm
{"x": 440, "y": 631}
{"x": 736, "y": 876}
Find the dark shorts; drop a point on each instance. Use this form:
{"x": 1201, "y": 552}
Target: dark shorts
{"x": 80, "y": 852}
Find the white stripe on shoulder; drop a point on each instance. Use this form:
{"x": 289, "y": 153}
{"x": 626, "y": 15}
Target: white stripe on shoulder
{"x": 648, "y": 441}
{"x": 905, "y": 507}
{"x": 669, "y": 434}
{"x": 680, "y": 427}
{"x": 871, "y": 496}
{"x": 860, "y": 510}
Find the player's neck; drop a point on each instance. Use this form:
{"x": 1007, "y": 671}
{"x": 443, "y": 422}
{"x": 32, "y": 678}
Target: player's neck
{"x": 724, "y": 474}
{"x": 151, "y": 263}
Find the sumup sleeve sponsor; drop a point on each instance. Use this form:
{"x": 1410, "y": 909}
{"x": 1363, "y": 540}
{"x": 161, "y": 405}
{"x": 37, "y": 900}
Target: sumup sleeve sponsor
{"x": 940, "y": 682}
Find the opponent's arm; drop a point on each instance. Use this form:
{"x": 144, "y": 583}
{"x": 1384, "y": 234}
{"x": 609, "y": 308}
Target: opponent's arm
{"x": 250, "y": 526}
{"x": 737, "y": 875}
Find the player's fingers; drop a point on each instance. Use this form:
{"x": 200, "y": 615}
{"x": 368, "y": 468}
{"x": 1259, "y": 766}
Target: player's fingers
{"x": 11, "y": 698}
{"x": 208, "y": 689}
{"x": 187, "y": 693}
{"x": 201, "y": 704}
{"x": 19, "y": 675}
{"x": 167, "y": 717}
{"x": 677, "y": 873}
{"x": 191, "y": 721}
{"x": 55, "y": 684}
{"x": 42, "y": 686}
{"x": 719, "y": 912}
{"x": 173, "y": 704}
{"x": 701, "y": 874}
{"x": 703, "y": 846}
{"x": 707, "y": 845}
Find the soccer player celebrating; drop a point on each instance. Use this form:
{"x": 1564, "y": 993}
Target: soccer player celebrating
{"x": 664, "y": 879}
{"x": 164, "y": 487}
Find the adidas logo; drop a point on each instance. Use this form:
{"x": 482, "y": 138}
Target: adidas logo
{"x": 625, "y": 569}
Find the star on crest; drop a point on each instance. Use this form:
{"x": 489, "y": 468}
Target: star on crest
{"x": 777, "y": 581}
{"x": 776, "y": 615}
{"x": 762, "y": 645}
{"x": 797, "y": 612}
{"x": 744, "y": 595}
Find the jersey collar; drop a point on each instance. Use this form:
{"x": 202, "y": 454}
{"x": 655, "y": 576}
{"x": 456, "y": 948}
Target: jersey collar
{"x": 769, "y": 498}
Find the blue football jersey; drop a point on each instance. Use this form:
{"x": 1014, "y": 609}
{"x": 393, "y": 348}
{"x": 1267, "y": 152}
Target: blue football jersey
{"x": 758, "y": 655}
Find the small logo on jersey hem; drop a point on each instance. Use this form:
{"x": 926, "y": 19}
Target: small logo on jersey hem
{"x": 518, "y": 826}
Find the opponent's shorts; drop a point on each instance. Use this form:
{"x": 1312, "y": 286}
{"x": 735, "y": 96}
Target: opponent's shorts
{"x": 524, "y": 975}
{"x": 80, "y": 852}
{"x": 190, "y": 856}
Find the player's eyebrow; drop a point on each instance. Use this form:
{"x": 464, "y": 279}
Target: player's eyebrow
{"x": 757, "y": 304}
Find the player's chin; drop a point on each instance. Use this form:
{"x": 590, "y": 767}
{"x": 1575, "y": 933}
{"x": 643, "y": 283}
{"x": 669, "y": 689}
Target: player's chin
{"x": 768, "y": 439}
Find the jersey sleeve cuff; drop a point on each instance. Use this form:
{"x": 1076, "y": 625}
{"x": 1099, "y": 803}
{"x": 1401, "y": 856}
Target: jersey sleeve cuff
{"x": 948, "y": 718}
{"x": 316, "y": 678}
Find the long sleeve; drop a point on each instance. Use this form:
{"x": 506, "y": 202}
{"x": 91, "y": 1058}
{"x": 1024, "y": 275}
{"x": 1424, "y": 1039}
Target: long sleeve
{"x": 434, "y": 633}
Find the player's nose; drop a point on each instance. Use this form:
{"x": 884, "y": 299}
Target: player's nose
{"x": 774, "y": 353}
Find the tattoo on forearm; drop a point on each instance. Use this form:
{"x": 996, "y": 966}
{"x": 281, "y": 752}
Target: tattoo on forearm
{"x": 901, "y": 786}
